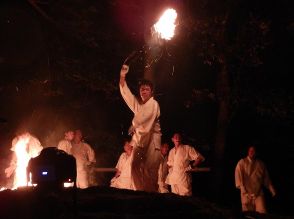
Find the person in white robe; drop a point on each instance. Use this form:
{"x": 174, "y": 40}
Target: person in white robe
{"x": 146, "y": 133}
{"x": 66, "y": 143}
{"x": 163, "y": 169}
{"x": 123, "y": 177}
{"x": 85, "y": 158}
{"x": 179, "y": 159}
{"x": 250, "y": 176}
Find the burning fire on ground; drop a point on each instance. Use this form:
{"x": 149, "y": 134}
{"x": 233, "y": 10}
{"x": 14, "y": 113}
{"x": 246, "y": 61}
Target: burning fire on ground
{"x": 24, "y": 148}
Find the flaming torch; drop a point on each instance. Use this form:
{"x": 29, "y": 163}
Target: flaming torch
{"x": 165, "y": 26}
{"x": 162, "y": 31}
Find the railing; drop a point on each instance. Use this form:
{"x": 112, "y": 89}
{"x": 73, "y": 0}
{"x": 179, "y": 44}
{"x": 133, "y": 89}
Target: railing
{"x": 109, "y": 169}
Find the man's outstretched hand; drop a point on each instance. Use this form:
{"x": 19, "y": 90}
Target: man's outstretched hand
{"x": 124, "y": 70}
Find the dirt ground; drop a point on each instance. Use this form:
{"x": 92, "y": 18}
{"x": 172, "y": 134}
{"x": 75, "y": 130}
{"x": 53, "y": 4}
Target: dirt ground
{"x": 104, "y": 202}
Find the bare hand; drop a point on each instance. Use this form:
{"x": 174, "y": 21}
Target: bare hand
{"x": 124, "y": 70}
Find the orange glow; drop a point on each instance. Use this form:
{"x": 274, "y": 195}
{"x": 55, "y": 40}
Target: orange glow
{"x": 25, "y": 147}
{"x": 23, "y": 158}
{"x": 165, "y": 27}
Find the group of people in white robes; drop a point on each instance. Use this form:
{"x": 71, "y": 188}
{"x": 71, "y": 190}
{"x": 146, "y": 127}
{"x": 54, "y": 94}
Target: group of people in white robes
{"x": 84, "y": 154}
{"x": 148, "y": 165}
{"x": 154, "y": 171}
{"x": 151, "y": 170}
{"x": 173, "y": 170}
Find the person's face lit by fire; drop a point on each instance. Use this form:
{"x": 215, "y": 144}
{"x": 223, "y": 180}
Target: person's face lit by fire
{"x": 128, "y": 148}
{"x": 177, "y": 139}
{"x": 145, "y": 93}
{"x": 78, "y": 136}
{"x": 251, "y": 152}
{"x": 164, "y": 149}
{"x": 69, "y": 135}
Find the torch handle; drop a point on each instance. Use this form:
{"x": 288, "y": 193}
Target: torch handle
{"x": 130, "y": 58}
{"x": 134, "y": 55}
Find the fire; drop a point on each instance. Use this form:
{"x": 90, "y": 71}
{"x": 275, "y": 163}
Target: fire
{"x": 24, "y": 147}
{"x": 165, "y": 27}
{"x": 68, "y": 184}
{"x": 22, "y": 157}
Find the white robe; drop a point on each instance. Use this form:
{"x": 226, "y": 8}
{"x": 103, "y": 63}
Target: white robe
{"x": 85, "y": 156}
{"x": 146, "y": 141}
{"x": 65, "y": 145}
{"x": 179, "y": 176}
{"x": 162, "y": 174}
{"x": 250, "y": 176}
{"x": 146, "y": 120}
{"x": 124, "y": 180}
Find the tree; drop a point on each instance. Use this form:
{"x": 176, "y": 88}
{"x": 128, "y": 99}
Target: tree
{"x": 233, "y": 36}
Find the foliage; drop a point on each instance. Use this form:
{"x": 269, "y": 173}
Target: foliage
{"x": 245, "y": 35}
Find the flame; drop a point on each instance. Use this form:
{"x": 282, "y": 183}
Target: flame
{"x": 25, "y": 147}
{"x": 165, "y": 27}
{"x": 68, "y": 184}
{"x": 22, "y": 159}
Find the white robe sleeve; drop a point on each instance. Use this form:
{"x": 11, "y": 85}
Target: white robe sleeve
{"x": 170, "y": 164}
{"x": 268, "y": 183}
{"x": 159, "y": 180}
{"x": 239, "y": 181}
{"x": 193, "y": 154}
{"x": 91, "y": 154}
{"x": 120, "y": 161}
{"x": 170, "y": 160}
{"x": 238, "y": 176}
{"x": 128, "y": 97}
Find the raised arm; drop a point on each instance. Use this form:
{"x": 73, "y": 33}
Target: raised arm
{"x": 127, "y": 95}
{"x": 123, "y": 72}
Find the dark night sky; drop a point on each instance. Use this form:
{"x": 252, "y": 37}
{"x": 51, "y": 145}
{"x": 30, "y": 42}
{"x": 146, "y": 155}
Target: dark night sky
{"x": 42, "y": 91}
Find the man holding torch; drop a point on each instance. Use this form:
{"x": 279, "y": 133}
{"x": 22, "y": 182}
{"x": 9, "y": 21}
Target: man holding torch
{"x": 145, "y": 129}
{"x": 146, "y": 133}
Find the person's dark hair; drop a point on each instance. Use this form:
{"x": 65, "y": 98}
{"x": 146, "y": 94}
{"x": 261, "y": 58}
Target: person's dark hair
{"x": 126, "y": 139}
{"x": 146, "y": 83}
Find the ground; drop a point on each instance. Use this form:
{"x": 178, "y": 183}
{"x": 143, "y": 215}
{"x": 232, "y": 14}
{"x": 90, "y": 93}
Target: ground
{"x": 104, "y": 202}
